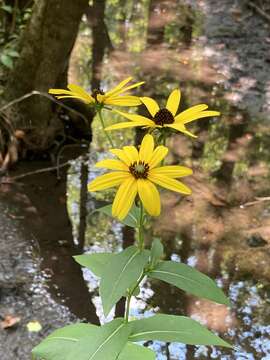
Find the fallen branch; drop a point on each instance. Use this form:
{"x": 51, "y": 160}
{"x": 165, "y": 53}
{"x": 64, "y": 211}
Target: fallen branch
{"x": 257, "y": 201}
{"x": 259, "y": 11}
{"x": 38, "y": 171}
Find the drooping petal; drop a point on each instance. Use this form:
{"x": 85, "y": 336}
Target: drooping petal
{"x": 70, "y": 96}
{"x": 121, "y": 155}
{"x": 60, "y": 92}
{"x": 119, "y": 86}
{"x": 122, "y": 101}
{"x": 124, "y": 198}
{"x": 132, "y": 153}
{"x": 174, "y": 101}
{"x": 189, "y": 112}
{"x": 128, "y": 124}
{"x": 173, "y": 171}
{"x": 201, "y": 115}
{"x": 151, "y": 104}
{"x": 107, "y": 181}
{"x": 147, "y": 148}
{"x": 112, "y": 165}
{"x": 149, "y": 196}
{"x": 124, "y": 89}
{"x": 181, "y": 127}
{"x": 169, "y": 183}
{"x": 158, "y": 155}
{"x": 81, "y": 92}
{"x": 134, "y": 117}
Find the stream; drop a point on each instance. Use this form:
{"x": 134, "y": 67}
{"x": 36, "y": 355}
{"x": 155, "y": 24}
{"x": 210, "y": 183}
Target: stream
{"x": 219, "y": 54}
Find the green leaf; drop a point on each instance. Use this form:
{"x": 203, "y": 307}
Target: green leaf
{"x": 106, "y": 343}
{"x": 120, "y": 274}
{"x": 189, "y": 279}
{"x": 172, "y": 328}
{"x": 58, "y": 344}
{"x": 136, "y": 352}
{"x": 94, "y": 262}
{"x": 6, "y": 61}
{"x": 130, "y": 220}
{"x": 7, "y": 8}
{"x": 12, "y": 53}
{"x": 157, "y": 251}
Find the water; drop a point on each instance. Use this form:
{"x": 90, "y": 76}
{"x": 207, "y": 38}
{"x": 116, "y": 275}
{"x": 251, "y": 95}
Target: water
{"x": 215, "y": 56}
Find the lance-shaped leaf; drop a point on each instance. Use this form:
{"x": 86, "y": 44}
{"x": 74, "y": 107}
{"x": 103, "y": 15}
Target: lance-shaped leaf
{"x": 157, "y": 251}
{"x": 136, "y": 352}
{"x": 190, "y": 280}
{"x": 106, "y": 343}
{"x": 59, "y": 343}
{"x": 130, "y": 220}
{"x": 120, "y": 274}
{"x": 174, "y": 329}
{"x": 94, "y": 262}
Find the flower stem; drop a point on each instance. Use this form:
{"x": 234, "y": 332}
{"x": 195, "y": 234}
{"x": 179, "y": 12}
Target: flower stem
{"x": 103, "y": 127}
{"x": 140, "y": 227}
{"x": 130, "y": 293}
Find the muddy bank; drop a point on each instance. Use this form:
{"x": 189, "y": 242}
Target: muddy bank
{"x": 23, "y": 289}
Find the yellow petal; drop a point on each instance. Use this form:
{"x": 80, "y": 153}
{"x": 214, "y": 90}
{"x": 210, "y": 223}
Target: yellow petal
{"x": 149, "y": 196}
{"x": 101, "y": 98}
{"x": 122, "y": 101}
{"x": 132, "y": 153}
{"x": 147, "y": 148}
{"x": 71, "y": 96}
{"x": 119, "y": 86}
{"x": 174, "y": 101}
{"x": 182, "y": 128}
{"x": 190, "y": 112}
{"x": 121, "y": 91}
{"x": 151, "y": 105}
{"x": 124, "y": 125}
{"x": 158, "y": 155}
{"x": 81, "y": 92}
{"x": 60, "y": 92}
{"x": 201, "y": 115}
{"x": 124, "y": 198}
{"x": 134, "y": 117}
{"x": 107, "y": 181}
{"x": 169, "y": 183}
{"x": 173, "y": 171}
{"x": 112, "y": 165}
{"x": 121, "y": 155}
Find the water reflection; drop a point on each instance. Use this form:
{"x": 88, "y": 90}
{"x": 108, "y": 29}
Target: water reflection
{"x": 203, "y": 49}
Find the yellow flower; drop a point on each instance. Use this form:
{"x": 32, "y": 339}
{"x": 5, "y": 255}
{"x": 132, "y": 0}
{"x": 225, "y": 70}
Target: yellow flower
{"x": 137, "y": 172}
{"x": 112, "y": 97}
{"x": 165, "y": 117}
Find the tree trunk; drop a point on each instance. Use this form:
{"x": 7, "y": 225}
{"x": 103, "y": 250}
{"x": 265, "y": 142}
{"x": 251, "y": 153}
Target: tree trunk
{"x": 45, "y": 49}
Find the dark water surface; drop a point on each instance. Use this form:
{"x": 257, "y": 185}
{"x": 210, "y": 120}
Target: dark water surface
{"x": 212, "y": 51}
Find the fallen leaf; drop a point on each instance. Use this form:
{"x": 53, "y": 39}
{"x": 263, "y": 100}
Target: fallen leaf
{"x": 34, "y": 326}
{"x": 10, "y": 321}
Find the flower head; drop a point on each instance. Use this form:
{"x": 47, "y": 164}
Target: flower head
{"x": 137, "y": 172}
{"x": 112, "y": 97}
{"x": 165, "y": 117}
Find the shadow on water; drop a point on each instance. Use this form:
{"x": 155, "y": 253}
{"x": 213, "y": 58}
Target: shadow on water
{"x": 224, "y": 227}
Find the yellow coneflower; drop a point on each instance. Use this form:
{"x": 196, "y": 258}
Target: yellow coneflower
{"x": 112, "y": 97}
{"x": 137, "y": 172}
{"x": 165, "y": 117}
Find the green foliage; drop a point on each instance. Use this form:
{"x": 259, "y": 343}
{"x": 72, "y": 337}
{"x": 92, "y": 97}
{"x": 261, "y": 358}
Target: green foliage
{"x": 120, "y": 274}
{"x": 106, "y": 342}
{"x": 136, "y": 352}
{"x": 132, "y": 218}
{"x": 59, "y": 343}
{"x": 174, "y": 328}
{"x": 157, "y": 251}
{"x": 189, "y": 279}
{"x": 94, "y": 262}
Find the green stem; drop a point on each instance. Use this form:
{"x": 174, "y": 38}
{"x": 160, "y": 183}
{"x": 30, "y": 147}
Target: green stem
{"x": 140, "y": 227}
{"x": 130, "y": 294}
{"x": 103, "y": 127}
